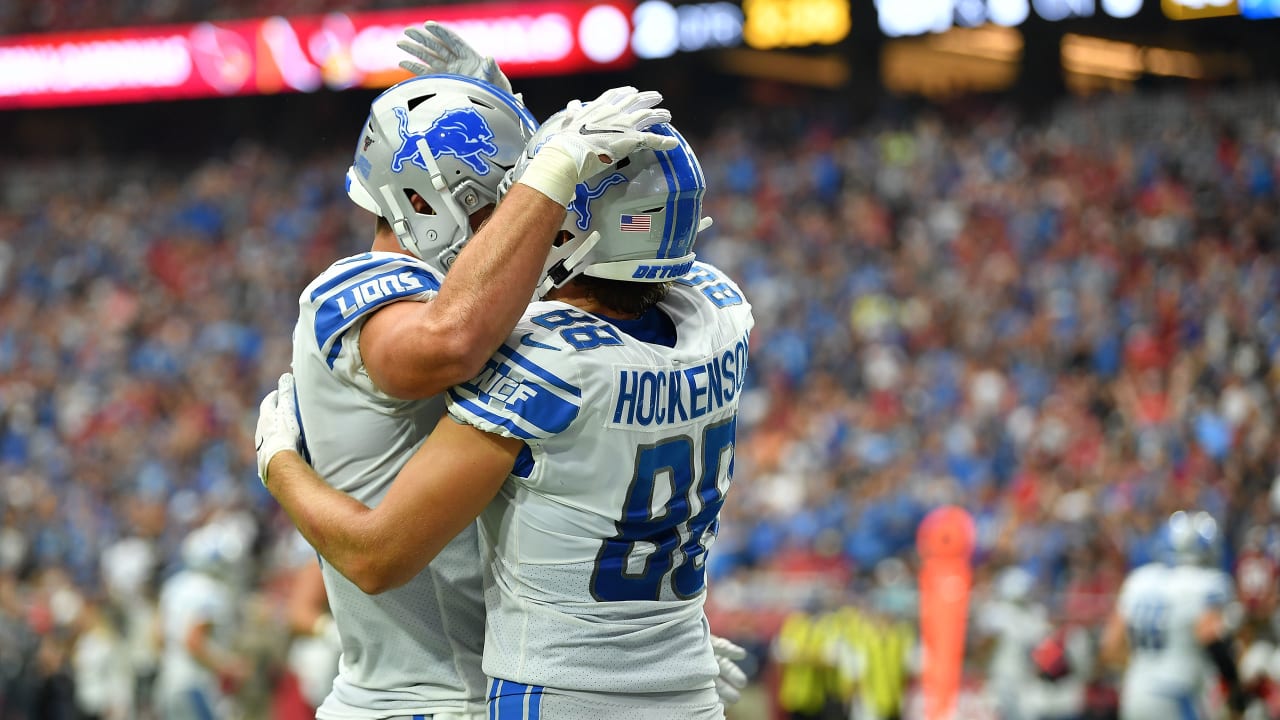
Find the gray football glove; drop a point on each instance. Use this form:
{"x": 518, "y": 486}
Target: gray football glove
{"x": 441, "y": 50}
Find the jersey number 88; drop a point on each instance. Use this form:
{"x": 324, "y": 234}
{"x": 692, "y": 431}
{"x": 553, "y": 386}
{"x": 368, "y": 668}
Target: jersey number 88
{"x": 673, "y": 538}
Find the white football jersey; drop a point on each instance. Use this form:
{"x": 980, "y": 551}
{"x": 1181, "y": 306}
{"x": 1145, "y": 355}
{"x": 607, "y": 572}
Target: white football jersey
{"x": 1160, "y": 605}
{"x": 596, "y": 544}
{"x": 415, "y": 649}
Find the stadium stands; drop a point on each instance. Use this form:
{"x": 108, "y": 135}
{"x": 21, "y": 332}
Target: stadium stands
{"x": 1070, "y": 326}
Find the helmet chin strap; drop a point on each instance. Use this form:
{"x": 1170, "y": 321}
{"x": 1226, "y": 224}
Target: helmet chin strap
{"x": 400, "y": 225}
{"x": 564, "y": 263}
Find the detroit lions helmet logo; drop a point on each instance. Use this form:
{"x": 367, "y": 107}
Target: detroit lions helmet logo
{"x": 584, "y": 194}
{"x": 461, "y": 133}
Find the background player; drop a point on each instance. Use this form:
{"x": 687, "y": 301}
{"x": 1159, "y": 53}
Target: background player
{"x": 198, "y": 616}
{"x": 1171, "y": 618}
{"x": 612, "y": 410}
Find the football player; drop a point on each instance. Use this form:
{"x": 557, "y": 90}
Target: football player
{"x": 596, "y": 447}
{"x": 380, "y": 334}
{"x": 1171, "y": 619}
{"x": 198, "y": 667}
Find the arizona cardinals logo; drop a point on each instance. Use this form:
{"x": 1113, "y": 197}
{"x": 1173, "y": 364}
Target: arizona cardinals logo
{"x": 584, "y": 194}
{"x": 461, "y": 133}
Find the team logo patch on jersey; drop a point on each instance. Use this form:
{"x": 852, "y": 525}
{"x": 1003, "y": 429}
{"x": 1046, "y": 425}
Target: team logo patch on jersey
{"x": 462, "y": 133}
{"x": 584, "y": 194}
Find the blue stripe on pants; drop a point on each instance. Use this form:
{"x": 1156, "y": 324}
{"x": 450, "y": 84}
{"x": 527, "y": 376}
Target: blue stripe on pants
{"x": 535, "y": 702}
{"x": 509, "y": 700}
{"x": 200, "y": 705}
{"x": 1187, "y": 708}
{"x": 494, "y": 685}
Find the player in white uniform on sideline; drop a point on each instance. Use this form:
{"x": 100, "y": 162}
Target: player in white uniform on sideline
{"x": 1170, "y": 616}
{"x": 603, "y": 431}
{"x": 428, "y": 163}
{"x": 198, "y": 621}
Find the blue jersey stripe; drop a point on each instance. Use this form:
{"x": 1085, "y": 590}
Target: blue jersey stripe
{"x": 303, "y": 450}
{"x": 346, "y": 276}
{"x": 529, "y": 403}
{"x": 524, "y": 362}
{"x": 473, "y": 408}
{"x": 338, "y": 312}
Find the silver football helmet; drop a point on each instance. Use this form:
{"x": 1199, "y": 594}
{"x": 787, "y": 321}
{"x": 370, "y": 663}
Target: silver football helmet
{"x": 448, "y": 138}
{"x": 635, "y": 221}
{"x": 214, "y": 549}
{"x": 1192, "y": 538}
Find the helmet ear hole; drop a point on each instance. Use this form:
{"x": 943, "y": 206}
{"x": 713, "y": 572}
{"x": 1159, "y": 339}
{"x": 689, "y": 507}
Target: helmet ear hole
{"x": 419, "y": 203}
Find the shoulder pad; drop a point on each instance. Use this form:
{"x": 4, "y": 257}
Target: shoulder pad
{"x": 525, "y": 391}
{"x": 718, "y": 301}
{"x": 714, "y": 284}
{"x": 356, "y": 286}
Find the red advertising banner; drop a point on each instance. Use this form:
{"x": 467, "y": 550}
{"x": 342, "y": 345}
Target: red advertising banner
{"x": 300, "y": 54}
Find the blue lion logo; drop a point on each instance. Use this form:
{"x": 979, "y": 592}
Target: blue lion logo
{"x": 462, "y": 133}
{"x": 584, "y": 194}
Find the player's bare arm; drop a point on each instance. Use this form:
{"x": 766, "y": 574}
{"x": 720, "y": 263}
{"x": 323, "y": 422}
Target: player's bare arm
{"x": 423, "y": 348}
{"x": 439, "y": 492}
{"x": 1114, "y": 646}
{"x": 416, "y": 350}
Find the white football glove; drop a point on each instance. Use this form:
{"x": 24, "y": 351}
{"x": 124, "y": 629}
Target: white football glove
{"x": 278, "y": 427}
{"x": 441, "y": 50}
{"x": 583, "y": 139}
{"x": 731, "y": 680}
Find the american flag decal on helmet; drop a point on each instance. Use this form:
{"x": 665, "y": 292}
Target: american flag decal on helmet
{"x": 634, "y": 223}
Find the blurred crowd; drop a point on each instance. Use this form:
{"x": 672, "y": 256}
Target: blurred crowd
{"x": 1069, "y": 326}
